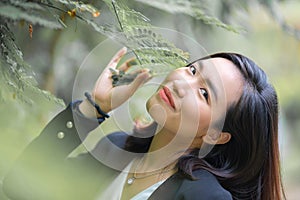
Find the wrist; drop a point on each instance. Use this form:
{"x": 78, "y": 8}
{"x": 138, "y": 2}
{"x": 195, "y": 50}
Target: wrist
{"x": 88, "y": 110}
{"x": 95, "y": 105}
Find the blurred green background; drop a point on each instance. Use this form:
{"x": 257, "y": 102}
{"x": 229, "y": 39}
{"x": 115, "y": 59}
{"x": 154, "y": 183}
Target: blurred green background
{"x": 56, "y": 55}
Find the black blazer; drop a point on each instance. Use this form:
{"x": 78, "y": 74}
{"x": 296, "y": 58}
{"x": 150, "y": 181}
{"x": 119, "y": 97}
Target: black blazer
{"x": 44, "y": 170}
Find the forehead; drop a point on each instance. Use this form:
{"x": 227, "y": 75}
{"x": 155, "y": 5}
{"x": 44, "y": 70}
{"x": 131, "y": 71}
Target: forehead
{"x": 224, "y": 76}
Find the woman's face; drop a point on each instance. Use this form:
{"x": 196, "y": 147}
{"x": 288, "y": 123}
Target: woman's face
{"x": 192, "y": 98}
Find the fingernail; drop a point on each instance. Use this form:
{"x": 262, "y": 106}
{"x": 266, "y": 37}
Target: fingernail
{"x": 148, "y": 75}
{"x": 146, "y": 70}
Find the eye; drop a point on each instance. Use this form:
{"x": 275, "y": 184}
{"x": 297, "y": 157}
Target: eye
{"x": 193, "y": 69}
{"x": 204, "y": 93}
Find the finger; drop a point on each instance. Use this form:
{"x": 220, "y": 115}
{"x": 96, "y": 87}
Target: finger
{"x": 117, "y": 57}
{"x": 143, "y": 77}
{"x": 105, "y": 78}
{"x": 127, "y": 64}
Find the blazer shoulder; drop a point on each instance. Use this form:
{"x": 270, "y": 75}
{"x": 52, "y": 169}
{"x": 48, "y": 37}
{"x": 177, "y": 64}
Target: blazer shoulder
{"x": 113, "y": 140}
{"x": 206, "y": 186}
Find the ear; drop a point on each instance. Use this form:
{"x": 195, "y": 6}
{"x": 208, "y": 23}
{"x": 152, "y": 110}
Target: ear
{"x": 217, "y": 138}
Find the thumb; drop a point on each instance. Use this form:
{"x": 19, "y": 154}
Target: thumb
{"x": 143, "y": 77}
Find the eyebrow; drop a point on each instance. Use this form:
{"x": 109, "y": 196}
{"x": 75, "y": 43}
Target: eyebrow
{"x": 200, "y": 66}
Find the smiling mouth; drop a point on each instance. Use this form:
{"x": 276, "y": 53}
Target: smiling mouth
{"x": 166, "y": 96}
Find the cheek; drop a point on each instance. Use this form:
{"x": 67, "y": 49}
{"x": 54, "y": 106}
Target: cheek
{"x": 196, "y": 118}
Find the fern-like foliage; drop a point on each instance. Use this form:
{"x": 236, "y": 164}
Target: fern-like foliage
{"x": 151, "y": 49}
{"x": 16, "y": 75}
{"x": 31, "y": 12}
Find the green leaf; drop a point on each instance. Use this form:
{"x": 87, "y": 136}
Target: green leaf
{"x": 27, "y": 5}
{"x": 15, "y": 13}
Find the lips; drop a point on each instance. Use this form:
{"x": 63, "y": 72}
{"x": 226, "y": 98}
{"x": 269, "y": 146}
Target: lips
{"x": 166, "y": 96}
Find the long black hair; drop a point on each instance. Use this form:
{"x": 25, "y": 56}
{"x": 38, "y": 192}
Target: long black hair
{"x": 248, "y": 165}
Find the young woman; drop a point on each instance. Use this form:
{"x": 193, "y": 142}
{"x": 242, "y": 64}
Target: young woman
{"x": 214, "y": 136}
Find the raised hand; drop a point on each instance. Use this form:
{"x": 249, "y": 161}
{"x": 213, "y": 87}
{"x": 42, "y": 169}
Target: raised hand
{"x": 106, "y": 95}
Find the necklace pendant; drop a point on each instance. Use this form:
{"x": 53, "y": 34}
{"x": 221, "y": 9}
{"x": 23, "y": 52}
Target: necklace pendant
{"x": 130, "y": 180}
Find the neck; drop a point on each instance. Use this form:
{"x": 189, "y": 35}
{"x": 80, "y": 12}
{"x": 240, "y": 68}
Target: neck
{"x": 165, "y": 149}
{"x": 161, "y": 139}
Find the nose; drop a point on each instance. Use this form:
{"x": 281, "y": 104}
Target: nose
{"x": 180, "y": 87}
{"x": 182, "y": 81}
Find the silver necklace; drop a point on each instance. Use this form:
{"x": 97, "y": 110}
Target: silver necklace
{"x": 131, "y": 180}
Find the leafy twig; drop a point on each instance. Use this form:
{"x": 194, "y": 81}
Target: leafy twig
{"x": 121, "y": 26}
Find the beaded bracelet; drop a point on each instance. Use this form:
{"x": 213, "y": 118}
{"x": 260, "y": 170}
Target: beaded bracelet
{"x": 101, "y": 112}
